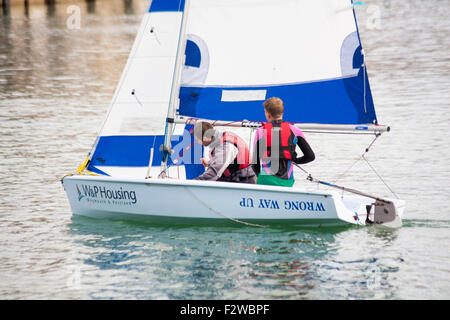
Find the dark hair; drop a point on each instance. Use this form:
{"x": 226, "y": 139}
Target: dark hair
{"x": 202, "y": 129}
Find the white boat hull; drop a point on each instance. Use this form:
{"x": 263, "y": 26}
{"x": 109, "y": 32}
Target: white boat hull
{"x": 204, "y": 202}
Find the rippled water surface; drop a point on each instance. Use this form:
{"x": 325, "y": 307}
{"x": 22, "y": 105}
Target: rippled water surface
{"x": 55, "y": 87}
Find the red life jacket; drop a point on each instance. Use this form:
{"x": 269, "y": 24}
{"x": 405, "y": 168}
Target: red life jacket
{"x": 286, "y": 141}
{"x": 242, "y": 159}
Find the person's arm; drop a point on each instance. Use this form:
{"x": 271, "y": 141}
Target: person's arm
{"x": 308, "y": 153}
{"x": 224, "y": 156}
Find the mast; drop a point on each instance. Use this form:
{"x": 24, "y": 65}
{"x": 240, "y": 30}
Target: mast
{"x": 174, "y": 94}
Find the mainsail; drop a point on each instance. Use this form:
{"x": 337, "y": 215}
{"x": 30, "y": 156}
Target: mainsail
{"x": 240, "y": 52}
{"x": 237, "y": 54}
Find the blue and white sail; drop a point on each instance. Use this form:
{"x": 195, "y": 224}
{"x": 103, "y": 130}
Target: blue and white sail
{"x": 237, "y": 54}
{"x": 137, "y": 114}
{"x": 240, "y": 52}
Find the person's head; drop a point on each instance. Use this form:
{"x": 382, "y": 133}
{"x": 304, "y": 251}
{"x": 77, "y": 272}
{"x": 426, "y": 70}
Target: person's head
{"x": 204, "y": 133}
{"x": 274, "y": 108}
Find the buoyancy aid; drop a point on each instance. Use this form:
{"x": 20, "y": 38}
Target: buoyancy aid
{"x": 286, "y": 140}
{"x": 242, "y": 159}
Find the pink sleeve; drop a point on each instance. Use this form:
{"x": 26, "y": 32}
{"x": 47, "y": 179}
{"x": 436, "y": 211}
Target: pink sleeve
{"x": 297, "y": 131}
{"x": 258, "y": 135}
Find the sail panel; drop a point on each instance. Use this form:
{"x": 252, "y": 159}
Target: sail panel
{"x": 130, "y": 151}
{"x": 331, "y": 102}
{"x": 136, "y": 117}
{"x": 145, "y": 86}
{"x": 306, "y": 52}
{"x": 134, "y": 151}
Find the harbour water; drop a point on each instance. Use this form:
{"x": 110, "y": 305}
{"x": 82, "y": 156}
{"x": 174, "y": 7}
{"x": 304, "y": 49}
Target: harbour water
{"x": 56, "y": 81}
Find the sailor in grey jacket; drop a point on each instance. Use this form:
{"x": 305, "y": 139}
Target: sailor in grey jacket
{"x": 229, "y": 159}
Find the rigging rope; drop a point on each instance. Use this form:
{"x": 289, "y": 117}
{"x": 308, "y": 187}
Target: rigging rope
{"x": 380, "y": 177}
{"x": 377, "y": 135}
{"x": 175, "y": 161}
{"x": 310, "y": 178}
{"x": 223, "y": 215}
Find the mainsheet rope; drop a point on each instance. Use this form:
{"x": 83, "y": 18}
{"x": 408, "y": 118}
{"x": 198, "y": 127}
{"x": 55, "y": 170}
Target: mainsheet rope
{"x": 223, "y": 215}
{"x": 310, "y": 178}
{"x": 377, "y": 135}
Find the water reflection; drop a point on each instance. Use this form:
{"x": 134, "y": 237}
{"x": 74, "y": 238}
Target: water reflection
{"x": 362, "y": 264}
{"x": 26, "y": 8}
{"x": 40, "y": 54}
{"x": 239, "y": 263}
{"x": 51, "y": 8}
{"x": 5, "y": 7}
{"x": 386, "y": 236}
{"x": 128, "y": 6}
{"x": 90, "y": 6}
{"x": 200, "y": 263}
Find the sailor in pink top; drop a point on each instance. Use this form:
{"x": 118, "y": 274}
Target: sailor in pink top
{"x": 284, "y": 168}
{"x": 275, "y": 144}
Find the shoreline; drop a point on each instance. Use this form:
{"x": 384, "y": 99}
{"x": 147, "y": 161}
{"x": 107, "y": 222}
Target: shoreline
{"x": 38, "y": 8}
{"x": 41, "y": 2}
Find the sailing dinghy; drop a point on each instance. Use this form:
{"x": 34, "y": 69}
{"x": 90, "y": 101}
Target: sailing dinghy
{"x": 218, "y": 60}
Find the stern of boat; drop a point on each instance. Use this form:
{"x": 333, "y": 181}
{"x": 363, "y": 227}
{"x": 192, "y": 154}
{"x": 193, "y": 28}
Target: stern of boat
{"x": 365, "y": 211}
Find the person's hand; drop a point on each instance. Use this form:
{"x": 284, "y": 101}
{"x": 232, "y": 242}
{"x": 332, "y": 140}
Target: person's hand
{"x": 205, "y": 162}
